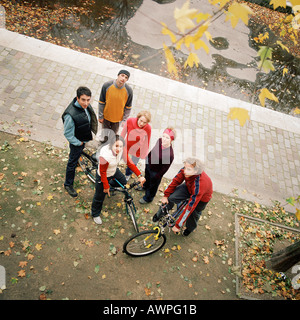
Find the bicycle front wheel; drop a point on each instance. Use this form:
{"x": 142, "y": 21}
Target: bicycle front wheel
{"x": 144, "y": 243}
{"x": 131, "y": 213}
{"x": 88, "y": 167}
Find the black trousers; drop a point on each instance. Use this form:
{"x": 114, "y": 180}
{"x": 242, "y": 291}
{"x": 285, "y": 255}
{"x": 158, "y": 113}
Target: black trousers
{"x": 181, "y": 193}
{"x": 99, "y": 195}
{"x": 72, "y": 163}
{"x": 151, "y": 185}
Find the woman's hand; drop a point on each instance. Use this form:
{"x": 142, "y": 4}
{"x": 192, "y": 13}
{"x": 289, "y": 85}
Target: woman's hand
{"x": 142, "y": 180}
{"x": 106, "y": 191}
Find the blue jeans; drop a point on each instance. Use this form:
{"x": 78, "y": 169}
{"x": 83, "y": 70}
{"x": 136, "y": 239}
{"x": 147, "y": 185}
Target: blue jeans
{"x": 74, "y": 155}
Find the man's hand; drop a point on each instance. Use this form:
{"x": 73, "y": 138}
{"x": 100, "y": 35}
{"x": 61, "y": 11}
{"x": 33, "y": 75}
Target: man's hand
{"x": 164, "y": 200}
{"x": 101, "y": 120}
{"x": 175, "y": 229}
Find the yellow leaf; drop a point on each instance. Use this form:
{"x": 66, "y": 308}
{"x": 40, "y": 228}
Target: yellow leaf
{"x": 283, "y": 46}
{"x": 103, "y": 276}
{"x": 183, "y": 17}
{"x": 285, "y": 70}
{"x": 265, "y": 93}
{"x": 236, "y": 12}
{"x": 50, "y": 197}
{"x": 170, "y": 60}
{"x": 297, "y": 110}
{"x": 278, "y": 3}
{"x": 298, "y": 214}
{"x": 38, "y": 204}
{"x": 200, "y": 43}
{"x": 202, "y": 16}
{"x": 167, "y": 250}
{"x": 191, "y": 60}
{"x": 239, "y": 113}
{"x": 38, "y": 247}
{"x": 165, "y": 30}
{"x": 56, "y": 231}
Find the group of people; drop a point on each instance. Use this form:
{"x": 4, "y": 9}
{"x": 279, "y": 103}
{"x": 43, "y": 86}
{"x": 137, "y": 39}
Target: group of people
{"x": 131, "y": 145}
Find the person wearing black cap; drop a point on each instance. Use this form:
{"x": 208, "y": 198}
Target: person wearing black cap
{"x": 114, "y": 104}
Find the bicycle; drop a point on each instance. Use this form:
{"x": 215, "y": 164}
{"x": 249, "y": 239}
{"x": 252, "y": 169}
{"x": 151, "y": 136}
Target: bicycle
{"x": 129, "y": 204}
{"x": 149, "y": 241}
{"x": 89, "y": 166}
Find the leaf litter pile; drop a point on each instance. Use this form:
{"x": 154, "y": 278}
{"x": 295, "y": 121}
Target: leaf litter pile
{"x": 257, "y": 240}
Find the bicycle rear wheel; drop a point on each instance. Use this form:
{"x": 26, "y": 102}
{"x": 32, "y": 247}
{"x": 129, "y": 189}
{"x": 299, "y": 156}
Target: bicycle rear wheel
{"x": 144, "y": 243}
{"x": 88, "y": 167}
{"x": 131, "y": 212}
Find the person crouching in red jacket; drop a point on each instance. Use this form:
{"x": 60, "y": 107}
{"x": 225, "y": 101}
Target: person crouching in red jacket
{"x": 191, "y": 183}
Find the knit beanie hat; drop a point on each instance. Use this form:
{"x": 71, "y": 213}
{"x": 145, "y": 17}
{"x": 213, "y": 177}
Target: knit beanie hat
{"x": 124, "y": 72}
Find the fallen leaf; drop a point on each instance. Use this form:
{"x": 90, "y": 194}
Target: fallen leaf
{"x": 21, "y": 273}
{"x": 23, "y": 264}
{"x": 38, "y": 246}
{"x": 239, "y": 113}
{"x": 206, "y": 260}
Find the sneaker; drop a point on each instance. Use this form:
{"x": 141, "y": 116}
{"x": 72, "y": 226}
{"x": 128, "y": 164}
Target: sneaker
{"x": 186, "y": 232}
{"x": 71, "y": 191}
{"x": 143, "y": 201}
{"x": 155, "y": 218}
{"x": 97, "y": 220}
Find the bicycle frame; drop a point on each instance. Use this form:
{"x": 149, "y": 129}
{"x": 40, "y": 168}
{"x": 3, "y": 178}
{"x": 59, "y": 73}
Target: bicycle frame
{"x": 169, "y": 219}
{"x": 130, "y": 207}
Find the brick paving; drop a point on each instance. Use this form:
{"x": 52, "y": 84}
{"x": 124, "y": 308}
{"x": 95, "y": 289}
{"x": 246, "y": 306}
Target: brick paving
{"x": 261, "y": 160}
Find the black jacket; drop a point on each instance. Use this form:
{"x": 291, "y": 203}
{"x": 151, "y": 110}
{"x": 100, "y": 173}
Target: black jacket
{"x": 83, "y": 128}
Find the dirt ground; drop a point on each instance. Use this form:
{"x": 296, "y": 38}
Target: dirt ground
{"x": 51, "y": 248}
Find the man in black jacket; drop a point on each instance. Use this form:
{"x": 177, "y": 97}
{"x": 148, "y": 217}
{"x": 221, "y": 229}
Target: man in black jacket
{"x": 79, "y": 121}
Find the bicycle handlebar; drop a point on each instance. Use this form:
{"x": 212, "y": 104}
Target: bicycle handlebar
{"x": 121, "y": 189}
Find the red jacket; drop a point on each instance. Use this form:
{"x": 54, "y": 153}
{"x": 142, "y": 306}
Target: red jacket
{"x": 137, "y": 139}
{"x": 199, "y": 187}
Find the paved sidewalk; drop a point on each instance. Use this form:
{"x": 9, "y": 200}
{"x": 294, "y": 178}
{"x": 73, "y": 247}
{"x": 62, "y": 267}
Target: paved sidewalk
{"x": 261, "y": 159}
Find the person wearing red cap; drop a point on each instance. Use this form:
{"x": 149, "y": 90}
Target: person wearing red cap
{"x": 114, "y": 104}
{"x": 158, "y": 162}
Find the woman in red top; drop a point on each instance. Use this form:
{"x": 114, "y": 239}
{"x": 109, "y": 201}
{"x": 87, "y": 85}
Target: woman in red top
{"x": 137, "y": 132}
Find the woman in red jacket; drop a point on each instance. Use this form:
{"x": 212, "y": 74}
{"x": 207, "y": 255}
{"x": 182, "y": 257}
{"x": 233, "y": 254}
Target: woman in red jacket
{"x": 191, "y": 183}
{"x": 137, "y": 133}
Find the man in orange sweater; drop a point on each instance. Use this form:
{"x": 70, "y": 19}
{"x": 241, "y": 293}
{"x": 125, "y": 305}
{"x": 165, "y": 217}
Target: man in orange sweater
{"x": 114, "y": 104}
{"x": 191, "y": 183}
